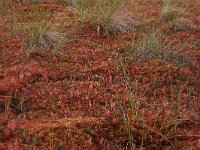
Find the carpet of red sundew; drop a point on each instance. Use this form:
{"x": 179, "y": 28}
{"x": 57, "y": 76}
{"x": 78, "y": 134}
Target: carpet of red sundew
{"x": 68, "y": 100}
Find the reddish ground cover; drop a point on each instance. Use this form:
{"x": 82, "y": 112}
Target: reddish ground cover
{"x": 73, "y": 99}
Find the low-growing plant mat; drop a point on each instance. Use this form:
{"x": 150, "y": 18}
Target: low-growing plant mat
{"x": 92, "y": 95}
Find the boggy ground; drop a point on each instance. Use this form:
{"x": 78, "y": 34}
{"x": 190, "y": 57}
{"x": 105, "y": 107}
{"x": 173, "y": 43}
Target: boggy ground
{"x": 81, "y": 97}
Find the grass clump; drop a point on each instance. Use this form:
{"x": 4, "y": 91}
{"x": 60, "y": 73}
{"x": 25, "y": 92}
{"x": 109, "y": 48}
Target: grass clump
{"x": 184, "y": 24}
{"x": 152, "y": 46}
{"x": 34, "y": 31}
{"x": 68, "y": 2}
{"x": 170, "y": 13}
{"x": 172, "y": 10}
{"x": 104, "y": 15}
{"x": 40, "y": 33}
{"x": 120, "y": 24}
{"x": 99, "y": 11}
